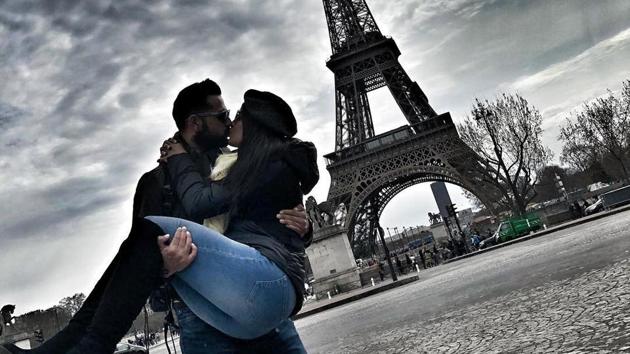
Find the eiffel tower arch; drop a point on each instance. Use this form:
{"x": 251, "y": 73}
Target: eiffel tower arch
{"x": 368, "y": 170}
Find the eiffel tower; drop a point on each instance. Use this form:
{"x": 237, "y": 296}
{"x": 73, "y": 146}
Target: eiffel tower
{"x": 368, "y": 170}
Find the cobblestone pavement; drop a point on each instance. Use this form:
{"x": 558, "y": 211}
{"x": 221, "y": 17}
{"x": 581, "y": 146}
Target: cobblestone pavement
{"x": 563, "y": 293}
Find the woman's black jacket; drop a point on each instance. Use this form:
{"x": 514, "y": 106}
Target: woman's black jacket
{"x": 283, "y": 182}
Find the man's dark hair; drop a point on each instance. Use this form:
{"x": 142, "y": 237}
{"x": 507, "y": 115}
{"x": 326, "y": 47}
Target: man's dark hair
{"x": 193, "y": 99}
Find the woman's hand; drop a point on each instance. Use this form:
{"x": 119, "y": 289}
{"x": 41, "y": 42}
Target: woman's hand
{"x": 171, "y": 147}
{"x": 179, "y": 254}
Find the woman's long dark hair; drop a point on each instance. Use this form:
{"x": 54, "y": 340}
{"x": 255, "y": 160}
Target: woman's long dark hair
{"x": 258, "y": 146}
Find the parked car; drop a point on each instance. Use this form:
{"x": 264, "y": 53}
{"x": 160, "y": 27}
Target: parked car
{"x": 594, "y": 208}
{"x": 517, "y": 227}
{"x": 487, "y": 242}
{"x": 597, "y": 185}
{"x": 126, "y": 348}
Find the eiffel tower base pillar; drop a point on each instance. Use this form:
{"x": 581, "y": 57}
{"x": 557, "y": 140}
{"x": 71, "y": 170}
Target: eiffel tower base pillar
{"x": 334, "y": 268}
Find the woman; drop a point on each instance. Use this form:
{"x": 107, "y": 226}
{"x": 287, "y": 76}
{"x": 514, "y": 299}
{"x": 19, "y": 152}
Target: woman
{"x": 244, "y": 284}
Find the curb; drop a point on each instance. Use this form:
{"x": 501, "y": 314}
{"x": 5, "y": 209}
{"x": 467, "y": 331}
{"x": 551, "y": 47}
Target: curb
{"x": 560, "y": 227}
{"x": 355, "y": 297}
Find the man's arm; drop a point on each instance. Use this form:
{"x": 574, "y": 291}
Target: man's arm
{"x": 148, "y": 197}
{"x": 148, "y": 200}
{"x": 297, "y": 220}
{"x": 199, "y": 198}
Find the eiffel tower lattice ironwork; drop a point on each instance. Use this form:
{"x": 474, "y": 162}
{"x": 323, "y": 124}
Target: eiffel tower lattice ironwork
{"x": 368, "y": 170}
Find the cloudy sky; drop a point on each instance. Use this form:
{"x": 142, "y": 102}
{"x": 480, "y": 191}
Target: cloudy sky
{"x": 87, "y": 89}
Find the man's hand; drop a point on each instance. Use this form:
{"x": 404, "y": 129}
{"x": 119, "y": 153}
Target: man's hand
{"x": 179, "y": 253}
{"x": 295, "y": 219}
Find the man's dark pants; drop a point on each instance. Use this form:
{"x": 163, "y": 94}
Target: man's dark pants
{"x": 197, "y": 337}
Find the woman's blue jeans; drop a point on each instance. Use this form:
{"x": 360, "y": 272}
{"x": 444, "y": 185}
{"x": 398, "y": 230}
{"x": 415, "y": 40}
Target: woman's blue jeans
{"x": 229, "y": 285}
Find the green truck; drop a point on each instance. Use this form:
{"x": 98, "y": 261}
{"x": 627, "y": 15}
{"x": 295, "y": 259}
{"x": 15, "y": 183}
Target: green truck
{"x": 517, "y": 227}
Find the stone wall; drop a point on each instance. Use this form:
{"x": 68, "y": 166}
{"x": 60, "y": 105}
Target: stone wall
{"x": 48, "y": 321}
{"x": 330, "y": 254}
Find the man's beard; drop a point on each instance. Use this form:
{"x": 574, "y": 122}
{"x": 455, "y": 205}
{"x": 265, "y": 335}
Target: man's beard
{"x": 205, "y": 140}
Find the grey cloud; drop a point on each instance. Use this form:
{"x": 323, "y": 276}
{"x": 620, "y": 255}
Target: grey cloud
{"x": 129, "y": 100}
{"x": 10, "y": 115}
{"x": 78, "y": 192}
{"x": 79, "y": 26}
{"x": 58, "y": 204}
{"x": 70, "y": 99}
{"x": 14, "y": 24}
{"x": 131, "y": 12}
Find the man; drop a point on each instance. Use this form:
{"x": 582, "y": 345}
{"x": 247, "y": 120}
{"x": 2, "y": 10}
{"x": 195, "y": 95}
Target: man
{"x": 399, "y": 265}
{"x": 422, "y": 255}
{"x": 202, "y": 120}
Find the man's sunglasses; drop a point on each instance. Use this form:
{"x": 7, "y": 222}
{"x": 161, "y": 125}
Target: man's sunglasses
{"x": 223, "y": 116}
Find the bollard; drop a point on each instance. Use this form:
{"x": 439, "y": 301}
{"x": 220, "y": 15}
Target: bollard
{"x": 329, "y": 297}
{"x": 417, "y": 268}
{"x": 545, "y": 226}
{"x": 372, "y": 279}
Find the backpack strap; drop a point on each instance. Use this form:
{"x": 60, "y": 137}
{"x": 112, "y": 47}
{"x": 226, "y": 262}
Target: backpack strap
{"x": 166, "y": 190}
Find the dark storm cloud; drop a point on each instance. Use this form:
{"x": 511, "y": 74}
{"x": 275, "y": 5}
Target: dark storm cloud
{"x": 14, "y": 24}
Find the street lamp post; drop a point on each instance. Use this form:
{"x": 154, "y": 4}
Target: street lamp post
{"x": 404, "y": 235}
{"x": 391, "y": 239}
{"x": 381, "y": 234}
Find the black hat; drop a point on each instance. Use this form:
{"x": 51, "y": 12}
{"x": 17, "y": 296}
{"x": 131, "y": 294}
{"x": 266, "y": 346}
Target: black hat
{"x": 271, "y": 111}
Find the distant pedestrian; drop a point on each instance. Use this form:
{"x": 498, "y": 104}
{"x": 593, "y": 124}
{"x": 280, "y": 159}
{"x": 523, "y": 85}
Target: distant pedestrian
{"x": 579, "y": 212}
{"x": 573, "y": 211}
{"x": 423, "y": 258}
{"x": 381, "y": 270}
{"x": 461, "y": 246}
{"x": 409, "y": 262}
{"x": 475, "y": 241}
{"x": 398, "y": 265}
{"x": 435, "y": 257}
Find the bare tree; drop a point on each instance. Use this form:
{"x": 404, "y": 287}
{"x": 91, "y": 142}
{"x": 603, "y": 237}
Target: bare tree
{"x": 599, "y": 131}
{"x": 507, "y": 133}
{"x": 72, "y": 304}
{"x": 476, "y": 202}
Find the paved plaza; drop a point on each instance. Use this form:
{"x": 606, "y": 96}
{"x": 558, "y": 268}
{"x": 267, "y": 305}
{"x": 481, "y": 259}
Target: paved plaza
{"x": 161, "y": 348}
{"x": 566, "y": 292}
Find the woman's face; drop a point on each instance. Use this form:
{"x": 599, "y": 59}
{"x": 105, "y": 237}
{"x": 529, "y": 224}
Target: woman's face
{"x": 236, "y": 131}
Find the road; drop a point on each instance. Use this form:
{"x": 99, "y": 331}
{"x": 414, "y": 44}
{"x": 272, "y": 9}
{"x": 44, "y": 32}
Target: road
{"x": 565, "y": 292}
{"x": 161, "y": 349}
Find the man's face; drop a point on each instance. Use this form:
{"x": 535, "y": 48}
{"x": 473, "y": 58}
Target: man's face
{"x": 212, "y": 129}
